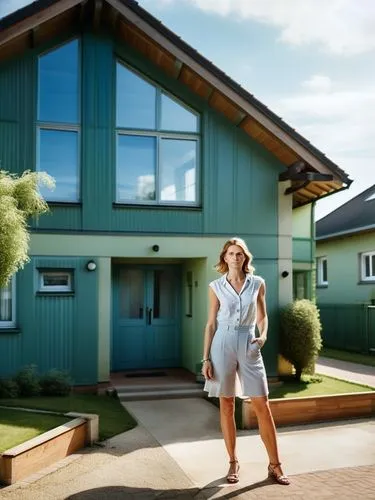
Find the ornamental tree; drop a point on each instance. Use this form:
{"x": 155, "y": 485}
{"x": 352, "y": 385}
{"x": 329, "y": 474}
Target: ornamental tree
{"x": 19, "y": 200}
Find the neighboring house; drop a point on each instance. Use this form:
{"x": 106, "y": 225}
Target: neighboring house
{"x": 158, "y": 157}
{"x": 345, "y": 263}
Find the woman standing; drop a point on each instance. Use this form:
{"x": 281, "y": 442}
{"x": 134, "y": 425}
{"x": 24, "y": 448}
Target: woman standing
{"x": 237, "y": 305}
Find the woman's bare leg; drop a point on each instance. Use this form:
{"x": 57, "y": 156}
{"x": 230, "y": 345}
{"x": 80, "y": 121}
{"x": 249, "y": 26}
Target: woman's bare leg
{"x": 228, "y": 428}
{"x": 267, "y": 429}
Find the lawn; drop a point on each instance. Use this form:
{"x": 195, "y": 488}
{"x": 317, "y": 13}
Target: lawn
{"x": 17, "y": 427}
{"x": 319, "y": 385}
{"x": 113, "y": 418}
{"x": 353, "y": 357}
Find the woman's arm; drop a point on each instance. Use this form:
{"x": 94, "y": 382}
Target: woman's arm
{"x": 209, "y": 332}
{"x": 262, "y": 318}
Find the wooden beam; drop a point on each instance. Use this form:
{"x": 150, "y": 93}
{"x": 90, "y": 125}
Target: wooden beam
{"x": 98, "y": 7}
{"x": 36, "y": 19}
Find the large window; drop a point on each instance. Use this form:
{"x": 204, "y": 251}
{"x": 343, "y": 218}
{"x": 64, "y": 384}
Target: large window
{"x": 58, "y": 126}
{"x": 8, "y": 305}
{"x": 368, "y": 266}
{"x": 157, "y": 144}
{"x": 322, "y": 271}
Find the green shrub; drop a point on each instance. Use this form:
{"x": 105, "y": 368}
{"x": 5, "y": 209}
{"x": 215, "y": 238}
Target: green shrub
{"x": 28, "y": 381}
{"x": 8, "y": 388}
{"x": 55, "y": 383}
{"x": 300, "y": 339}
{"x": 19, "y": 200}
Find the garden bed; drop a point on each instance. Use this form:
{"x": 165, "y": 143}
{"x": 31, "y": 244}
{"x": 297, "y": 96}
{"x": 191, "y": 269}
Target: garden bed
{"x": 41, "y": 451}
{"x": 303, "y": 410}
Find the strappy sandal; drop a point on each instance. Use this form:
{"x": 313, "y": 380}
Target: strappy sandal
{"x": 279, "y": 478}
{"x": 233, "y": 477}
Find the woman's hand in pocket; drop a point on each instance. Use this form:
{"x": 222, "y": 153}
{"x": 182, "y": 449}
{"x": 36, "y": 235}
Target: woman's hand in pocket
{"x": 260, "y": 341}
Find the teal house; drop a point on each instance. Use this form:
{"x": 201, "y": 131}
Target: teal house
{"x": 345, "y": 264}
{"x": 158, "y": 157}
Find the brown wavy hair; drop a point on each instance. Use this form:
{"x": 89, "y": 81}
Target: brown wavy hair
{"x": 222, "y": 266}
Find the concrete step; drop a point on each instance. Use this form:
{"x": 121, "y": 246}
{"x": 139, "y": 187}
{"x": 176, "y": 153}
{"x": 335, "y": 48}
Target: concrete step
{"x": 161, "y": 393}
{"x": 171, "y": 386}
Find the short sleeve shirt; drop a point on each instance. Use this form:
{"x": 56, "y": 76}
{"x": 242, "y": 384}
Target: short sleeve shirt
{"x": 238, "y": 309}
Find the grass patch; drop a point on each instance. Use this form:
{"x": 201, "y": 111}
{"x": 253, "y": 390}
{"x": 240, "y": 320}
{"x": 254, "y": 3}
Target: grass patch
{"x": 352, "y": 357}
{"x": 16, "y": 426}
{"x": 113, "y": 418}
{"x": 320, "y": 385}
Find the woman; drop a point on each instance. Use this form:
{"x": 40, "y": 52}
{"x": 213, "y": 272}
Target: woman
{"x": 237, "y": 305}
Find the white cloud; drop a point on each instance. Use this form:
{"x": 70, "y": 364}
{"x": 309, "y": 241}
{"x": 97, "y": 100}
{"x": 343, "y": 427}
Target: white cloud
{"x": 339, "y": 26}
{"x": 318, "y": 83}
{"x": 341, "y": 123}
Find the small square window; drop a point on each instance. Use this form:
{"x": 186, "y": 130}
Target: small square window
{"x": 55, "y": 281}
{"x": 322, "y": 271}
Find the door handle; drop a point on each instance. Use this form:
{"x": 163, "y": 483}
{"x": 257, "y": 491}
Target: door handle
{"x": 149, "y": 316}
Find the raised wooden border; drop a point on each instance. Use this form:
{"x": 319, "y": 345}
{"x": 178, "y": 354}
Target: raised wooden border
{"x": 290, "y": 411}
{"x": 51, "y": 446}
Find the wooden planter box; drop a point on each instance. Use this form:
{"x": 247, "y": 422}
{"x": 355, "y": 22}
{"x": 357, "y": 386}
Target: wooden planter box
{"x": 42, "y": 451}
{"x": 313, "y": 409}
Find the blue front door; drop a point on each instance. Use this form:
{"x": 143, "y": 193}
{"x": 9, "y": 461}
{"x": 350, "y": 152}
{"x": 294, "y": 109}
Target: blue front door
{"x": 146, "y": 331}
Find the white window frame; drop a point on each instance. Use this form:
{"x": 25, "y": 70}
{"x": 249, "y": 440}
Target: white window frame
{"x": 159, "y": 135}
{"x": 370, "y": 278}
{"x": 320, "y": 261}
{"x": 55, "y": 288}
{"x": 12, "y": 322}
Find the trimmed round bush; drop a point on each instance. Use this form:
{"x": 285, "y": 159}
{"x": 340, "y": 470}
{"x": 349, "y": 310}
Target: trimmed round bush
{"x": 55, "y": 383}
{"x": 27, "y": 380}
{"x": 300, "y": 339}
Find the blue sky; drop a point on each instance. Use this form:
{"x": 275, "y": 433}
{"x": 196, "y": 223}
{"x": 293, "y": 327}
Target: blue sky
{"x": 309, "y": 61}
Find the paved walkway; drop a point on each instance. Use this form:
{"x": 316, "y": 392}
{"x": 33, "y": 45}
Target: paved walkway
{"x": 177, "y": 452}
{"x": 353, "y": 372}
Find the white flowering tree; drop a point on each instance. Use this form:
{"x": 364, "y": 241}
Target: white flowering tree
{"x": 19, "y": 200}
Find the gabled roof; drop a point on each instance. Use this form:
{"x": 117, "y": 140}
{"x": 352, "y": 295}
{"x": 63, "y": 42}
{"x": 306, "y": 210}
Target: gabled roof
{"x": 126, "y": 20}
{"x": 355, "y": 216}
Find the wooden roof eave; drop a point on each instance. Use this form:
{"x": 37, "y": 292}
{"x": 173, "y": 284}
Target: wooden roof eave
{"x": 224, "y": 89}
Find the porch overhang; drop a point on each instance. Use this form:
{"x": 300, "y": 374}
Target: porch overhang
{"x": 38, "y": 22}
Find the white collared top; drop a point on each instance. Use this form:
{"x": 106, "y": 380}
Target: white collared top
{"x": 237, "y": 309}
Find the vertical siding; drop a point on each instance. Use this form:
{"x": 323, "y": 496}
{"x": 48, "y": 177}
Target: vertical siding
{"x": 56, "y": 331}
{"x": 98, "y": 166}
{"x": 51, "y": 345}
{"x": 239, "y": 178}
{"x": 16, "y": 115}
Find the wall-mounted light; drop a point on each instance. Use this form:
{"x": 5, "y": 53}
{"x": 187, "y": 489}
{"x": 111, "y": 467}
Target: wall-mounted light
{"x": 285, "y": 274}
{"x": 155, "y": 248}
{"x": 91, "y": 265}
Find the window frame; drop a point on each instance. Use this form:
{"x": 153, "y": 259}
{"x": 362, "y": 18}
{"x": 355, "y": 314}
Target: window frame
{"x": 320, "y": 271}
{"x": 159, "y": 135}
{"x": 61, "y": 126}
{"x": 12, "y": 323}
{"x": 52, "y": 288}
{"x": 364, "y": 278}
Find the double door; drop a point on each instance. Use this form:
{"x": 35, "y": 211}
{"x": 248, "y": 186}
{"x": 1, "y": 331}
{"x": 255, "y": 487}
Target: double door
{"x": 146, "y": 317}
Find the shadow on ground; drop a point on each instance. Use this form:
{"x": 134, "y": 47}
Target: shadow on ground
{"x": 124, "y": 492}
